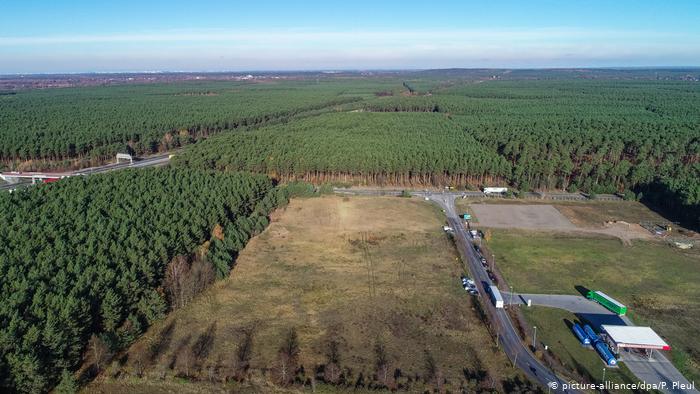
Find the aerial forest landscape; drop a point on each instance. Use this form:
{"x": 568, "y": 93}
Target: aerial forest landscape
{"x": 277, "y": 214}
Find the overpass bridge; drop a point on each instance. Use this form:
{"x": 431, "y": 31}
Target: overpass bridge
{"x": 16, "y": 179}
{"x": 35, "y": 177}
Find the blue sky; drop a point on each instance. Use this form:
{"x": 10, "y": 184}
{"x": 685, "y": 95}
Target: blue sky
{"x": 79, "y": 35}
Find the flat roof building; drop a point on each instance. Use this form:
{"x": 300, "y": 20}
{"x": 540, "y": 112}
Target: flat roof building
{"x": 634, "y": 337}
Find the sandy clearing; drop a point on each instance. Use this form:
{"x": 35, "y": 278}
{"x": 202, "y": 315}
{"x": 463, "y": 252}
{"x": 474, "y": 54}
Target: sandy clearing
{"x": 547, "y": 217}
{"x": 538, "y": 217}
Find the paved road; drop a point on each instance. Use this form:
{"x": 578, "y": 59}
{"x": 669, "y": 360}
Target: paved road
{"x": 658, "y": 369}
{"x": 13, "y": 186}
{"x": 507, "y": 334}
{"x": 655, "y": 370}
{"x": 152, "y": 161}
{"x": 571, "y": 303}
{"x": 508, "y": 337}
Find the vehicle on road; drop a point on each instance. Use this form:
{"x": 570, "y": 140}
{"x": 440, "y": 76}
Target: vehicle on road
{"x": 591, "y": 334}
{"x": 474, "y": 234}
{"x": 600, "y": 346}
{"x": 496, "y": 297}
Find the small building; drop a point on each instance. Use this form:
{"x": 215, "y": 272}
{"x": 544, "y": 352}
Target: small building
{"x": 622, "y": 338}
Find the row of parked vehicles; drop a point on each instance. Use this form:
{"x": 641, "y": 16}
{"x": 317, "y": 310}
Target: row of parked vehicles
{"x": 469, "y": 285}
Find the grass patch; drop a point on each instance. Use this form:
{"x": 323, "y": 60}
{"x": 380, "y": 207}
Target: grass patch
{"x": 659, "y": 283}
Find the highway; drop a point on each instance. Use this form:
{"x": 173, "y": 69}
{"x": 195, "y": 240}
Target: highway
{"x": 151, "y": 161}
{"x": 145, "y": 162}
{"x": 508, "y": 338}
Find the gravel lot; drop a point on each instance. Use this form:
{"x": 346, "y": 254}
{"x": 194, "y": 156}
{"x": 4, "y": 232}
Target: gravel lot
{"x": 540, "y": 217}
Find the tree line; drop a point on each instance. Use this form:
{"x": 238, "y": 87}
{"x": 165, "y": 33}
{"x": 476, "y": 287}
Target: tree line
{"x": 94, "y": 123}
{"x": 365, "y": 147}
{"x": 89, "y": 262}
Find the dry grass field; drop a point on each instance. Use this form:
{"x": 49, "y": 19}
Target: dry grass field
{"x": 354, "y": 271}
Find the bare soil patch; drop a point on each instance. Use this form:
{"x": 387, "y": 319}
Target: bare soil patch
{"x": 566, "y": 218}
{"x": 538, "y": 217}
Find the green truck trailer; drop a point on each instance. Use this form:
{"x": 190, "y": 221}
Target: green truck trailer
{"x": 607, "y": 301}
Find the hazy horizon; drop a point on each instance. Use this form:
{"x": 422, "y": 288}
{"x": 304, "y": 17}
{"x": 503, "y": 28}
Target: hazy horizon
{"x": 356, "y": 70}
{"x": 41, "y": 37}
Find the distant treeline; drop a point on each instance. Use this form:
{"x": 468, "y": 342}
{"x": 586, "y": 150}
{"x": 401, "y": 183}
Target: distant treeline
{"x": 94, "y": 123}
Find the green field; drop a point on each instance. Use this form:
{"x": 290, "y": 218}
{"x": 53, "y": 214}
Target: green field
{"x": 658, "y": 283}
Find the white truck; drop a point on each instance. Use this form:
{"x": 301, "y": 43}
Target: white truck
{"x": 496, "y": 296}
{"x": 495, "y": 190}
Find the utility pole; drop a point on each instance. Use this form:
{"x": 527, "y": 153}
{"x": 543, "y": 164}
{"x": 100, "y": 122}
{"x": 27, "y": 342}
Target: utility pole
{"x": 603, "y": 380}
{"x": 534, "y": 339}
{"x": 511, "y": 297}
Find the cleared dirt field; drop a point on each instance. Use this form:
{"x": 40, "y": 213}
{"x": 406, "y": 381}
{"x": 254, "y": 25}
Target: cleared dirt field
{"x": 597, "y": 218}
{"x": 588, "y": 214}
{"x": 357, "y": 271}
{"x": 539, "y": 217}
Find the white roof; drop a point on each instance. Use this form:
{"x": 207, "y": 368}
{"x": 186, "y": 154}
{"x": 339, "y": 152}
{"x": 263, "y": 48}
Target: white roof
{"x": 634, "y": 336}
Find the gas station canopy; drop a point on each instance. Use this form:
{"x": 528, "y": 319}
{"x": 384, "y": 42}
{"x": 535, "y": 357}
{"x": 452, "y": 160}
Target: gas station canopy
{"x": 635, "y": 337}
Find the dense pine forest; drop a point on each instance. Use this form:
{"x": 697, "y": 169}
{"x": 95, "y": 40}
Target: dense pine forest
{"x": 594, "y": 136}
{"x": 88, "y": 263}
{"x": 613, "y": 133}
{"x": 97, "y": 122}
{"x": 374, "y": 148}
